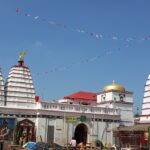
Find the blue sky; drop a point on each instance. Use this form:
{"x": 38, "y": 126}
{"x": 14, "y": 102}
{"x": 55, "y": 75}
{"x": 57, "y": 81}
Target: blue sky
{"x": 78, "y": 45}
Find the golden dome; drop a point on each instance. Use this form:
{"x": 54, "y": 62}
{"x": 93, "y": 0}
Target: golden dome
{"x": 113, "y": 87}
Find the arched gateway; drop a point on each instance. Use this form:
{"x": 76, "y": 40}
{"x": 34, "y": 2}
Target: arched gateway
{"x": 81, "y": 133}
{"x": 25, "y": 131}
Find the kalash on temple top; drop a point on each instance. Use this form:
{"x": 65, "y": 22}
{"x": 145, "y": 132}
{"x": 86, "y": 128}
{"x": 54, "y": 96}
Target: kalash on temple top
{"x": 21, "y": 56}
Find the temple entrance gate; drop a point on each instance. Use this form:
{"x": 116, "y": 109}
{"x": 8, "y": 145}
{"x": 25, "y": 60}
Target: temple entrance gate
{"x": 81, "y": 133}
{"x": 25, "y": 131}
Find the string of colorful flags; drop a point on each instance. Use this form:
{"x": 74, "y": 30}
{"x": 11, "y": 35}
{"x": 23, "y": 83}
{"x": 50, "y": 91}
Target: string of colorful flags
{"x": 127, "y": 41}
{"x": 79, "y": 63}
{"x": 81, "y": 31}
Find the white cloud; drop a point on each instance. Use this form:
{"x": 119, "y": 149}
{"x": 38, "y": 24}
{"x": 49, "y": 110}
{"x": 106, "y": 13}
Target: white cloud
{"x": 38, "y": 44}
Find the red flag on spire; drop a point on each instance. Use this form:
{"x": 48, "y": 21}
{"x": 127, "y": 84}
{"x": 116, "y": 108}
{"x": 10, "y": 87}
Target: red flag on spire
{"x": 36, "y": 99}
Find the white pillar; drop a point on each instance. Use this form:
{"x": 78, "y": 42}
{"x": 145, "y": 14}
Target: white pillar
{"x": 37, "y": 127}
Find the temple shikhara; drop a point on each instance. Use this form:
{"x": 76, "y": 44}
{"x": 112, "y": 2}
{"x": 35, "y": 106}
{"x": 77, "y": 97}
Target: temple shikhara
{"x": 19, "y": 85}
{"x": 2, "y": 99}
{"x": 85, "y": 115}
{"x": 145, "y": 116}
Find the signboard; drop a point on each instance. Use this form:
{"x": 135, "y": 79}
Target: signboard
{"x": 70, "y": 118}
{"x": 83, "y": 118}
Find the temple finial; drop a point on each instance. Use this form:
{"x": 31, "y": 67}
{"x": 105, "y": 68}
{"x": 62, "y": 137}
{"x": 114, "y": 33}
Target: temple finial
{"x": 22, "y": 55}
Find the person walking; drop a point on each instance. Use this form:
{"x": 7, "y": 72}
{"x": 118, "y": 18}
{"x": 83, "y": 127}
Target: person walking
{"x": 73, "y": 142}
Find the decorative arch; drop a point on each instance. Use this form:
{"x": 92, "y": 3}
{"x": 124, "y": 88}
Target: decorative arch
{"x": 25, "y": 131}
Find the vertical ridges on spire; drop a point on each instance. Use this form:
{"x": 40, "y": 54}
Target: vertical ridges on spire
{"x": 2, "y": 96}
{"x": 145, "y": 114}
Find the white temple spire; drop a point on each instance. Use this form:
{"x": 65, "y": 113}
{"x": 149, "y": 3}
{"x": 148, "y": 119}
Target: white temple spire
{"x": 2, "y": 97}
{"x": 19, "y": 85}
{"x": 145, "y": 115}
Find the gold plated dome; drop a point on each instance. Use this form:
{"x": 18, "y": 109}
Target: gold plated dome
{"x": 113, "y": 87}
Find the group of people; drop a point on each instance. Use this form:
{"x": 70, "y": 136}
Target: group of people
{"x": 74, "y": 144}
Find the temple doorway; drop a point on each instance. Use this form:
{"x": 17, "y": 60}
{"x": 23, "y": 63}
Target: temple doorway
{"x": 81, "y": 133}
{"x": 25, "y": 131}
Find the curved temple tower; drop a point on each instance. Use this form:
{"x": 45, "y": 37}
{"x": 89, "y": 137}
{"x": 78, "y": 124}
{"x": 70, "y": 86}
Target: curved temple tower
{"x": 19, "y": 86}
{"x": 2, "y": 98}
{"x": 145, "y": 115}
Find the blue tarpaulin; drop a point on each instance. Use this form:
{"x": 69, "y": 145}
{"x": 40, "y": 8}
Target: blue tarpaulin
{"x": 30, "y": 145}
